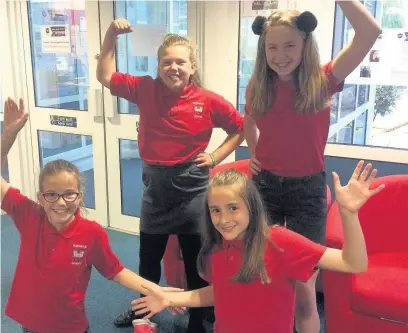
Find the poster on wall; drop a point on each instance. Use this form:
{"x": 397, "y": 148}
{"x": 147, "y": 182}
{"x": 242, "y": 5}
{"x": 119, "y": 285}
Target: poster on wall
{"x": 387, "y": 61}
{"x": 55, "y": 38}
{"x": 146, "y": 39}
{"x": 265, "y": 7}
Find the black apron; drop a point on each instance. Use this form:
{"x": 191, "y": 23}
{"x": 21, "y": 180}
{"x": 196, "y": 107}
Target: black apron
{"x": 173, "y": 198}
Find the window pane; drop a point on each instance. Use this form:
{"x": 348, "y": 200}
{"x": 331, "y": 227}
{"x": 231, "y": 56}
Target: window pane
{"x": 173, "y": 14}
{"x": 59, "y": 54}
{"x": 247, "y": 55}
{"x": 4, "y": 168}
{"x": 360, "y": 129}
{"x": 74, "y": 148}
{"x": 130, "y": 177}
{"x": 380, "y": 83}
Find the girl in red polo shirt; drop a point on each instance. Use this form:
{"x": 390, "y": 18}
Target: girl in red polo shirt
{"x": 253, "y": 267}
{"x": 177, "y": 117}
{"x": 58, "y": 246}
{"x": 287, "y": 123}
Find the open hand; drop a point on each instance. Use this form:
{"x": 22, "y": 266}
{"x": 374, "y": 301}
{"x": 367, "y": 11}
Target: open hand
{"x": 121, "y": 26}
{"x": 15, "y": 116}
{"x": 254, "y": 166}
{"x": 354, "y": 195}
{"x": 155, "y": 302}
{"x": 203, "y": 160}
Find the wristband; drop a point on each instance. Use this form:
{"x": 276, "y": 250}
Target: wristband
{"x": 214, "y": 163}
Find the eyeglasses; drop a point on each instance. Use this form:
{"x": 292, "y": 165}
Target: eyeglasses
{"x": 52, "y": 197}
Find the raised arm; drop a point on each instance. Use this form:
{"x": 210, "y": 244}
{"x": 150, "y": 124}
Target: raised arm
{"x": 14, "y": 119}
{"x": 106, "y": 61}
{"x": 350, "y": 198}
{"x": 366, "y": 32}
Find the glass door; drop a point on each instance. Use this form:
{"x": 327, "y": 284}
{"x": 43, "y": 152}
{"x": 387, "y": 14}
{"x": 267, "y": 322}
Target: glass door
{"x": 61, "y": 41}
{"x": 123, "y": 160}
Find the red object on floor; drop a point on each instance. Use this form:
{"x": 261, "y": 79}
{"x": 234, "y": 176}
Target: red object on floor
{"x": 144, "y": 326}
{"x": 375, "y": 301}
{"x": 173, "y": 260}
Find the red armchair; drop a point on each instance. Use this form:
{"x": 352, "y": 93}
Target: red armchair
{"x": 375, "y": 301}
{"x": 173, "y": 260}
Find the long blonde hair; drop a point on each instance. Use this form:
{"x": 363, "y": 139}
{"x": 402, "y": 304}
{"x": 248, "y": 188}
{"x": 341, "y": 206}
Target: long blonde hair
{"x": 257, "y": 233}
{"x": 171, "y": 40}
{"x": 310, "y": 81}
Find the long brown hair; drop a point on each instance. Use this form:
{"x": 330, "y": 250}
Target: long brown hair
{"x": 310, "y": 80}
{"x": 171, "y": 40}
{"x": 256, "y": 236}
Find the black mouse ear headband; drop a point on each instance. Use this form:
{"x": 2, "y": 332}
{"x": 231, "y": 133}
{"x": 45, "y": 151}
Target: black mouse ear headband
{"x": 305, "y": 22}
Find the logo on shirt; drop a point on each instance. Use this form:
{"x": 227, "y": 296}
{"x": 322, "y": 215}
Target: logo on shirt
{"x": 78, "y": 254}
{"x": 198, "y": 109}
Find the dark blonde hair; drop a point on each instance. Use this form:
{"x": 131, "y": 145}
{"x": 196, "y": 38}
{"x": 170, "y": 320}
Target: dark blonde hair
{"x": 257, "y": 233}
{"x": 172, "y": 40}
{"x": 310, "y": 80}
{"x": 55, "y": 167}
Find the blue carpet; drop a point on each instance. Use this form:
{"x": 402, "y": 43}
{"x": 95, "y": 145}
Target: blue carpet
{"x": 105, "y": 299}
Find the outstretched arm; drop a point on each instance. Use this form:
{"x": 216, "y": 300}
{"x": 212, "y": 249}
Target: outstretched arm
{"x": 350, "y": 198}
{"x": 366, "y": 32}
{"x": 155, "y": 303}
{"x": 106, "y": 61}
{"x": 15, "y": 118}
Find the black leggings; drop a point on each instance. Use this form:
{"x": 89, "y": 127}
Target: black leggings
{"x": 152, "y": 247}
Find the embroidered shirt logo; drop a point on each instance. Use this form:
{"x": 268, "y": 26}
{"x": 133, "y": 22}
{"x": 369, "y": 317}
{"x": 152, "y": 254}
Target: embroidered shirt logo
{"x": 78, "y": 254}
{"x": 198, "y": 109}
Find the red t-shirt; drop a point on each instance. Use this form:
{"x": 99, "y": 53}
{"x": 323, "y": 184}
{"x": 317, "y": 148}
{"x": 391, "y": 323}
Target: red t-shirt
{"x": 256, "y": 307}
{"x": 174, "y": 129}
{"x": 290, "y": 144}
{"x": 54, "y": 268}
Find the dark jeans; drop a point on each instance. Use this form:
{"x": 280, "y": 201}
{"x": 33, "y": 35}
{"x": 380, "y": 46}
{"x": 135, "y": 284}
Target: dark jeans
{"x": 152, "y": 247}
{"x": 300, "y": 202}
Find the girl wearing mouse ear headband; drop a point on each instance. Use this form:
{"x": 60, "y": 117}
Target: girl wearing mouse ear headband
{"x": 287, "y": 119}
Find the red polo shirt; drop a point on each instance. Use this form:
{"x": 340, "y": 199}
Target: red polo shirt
{"x": 174, "y": 128}
{"x": 290, "y": 144}
{"x": 54, "y": 268}
{"x": 256, "y": 307}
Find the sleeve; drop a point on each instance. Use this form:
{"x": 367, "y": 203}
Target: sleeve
{"x": 299, "y": 255}
{"x": 224, "y": 115}
{"x": 126, "y": 86}
{"x": 333, "y": 86}
{"x": 102, "y": 256}
{"x": 20, "y": 208}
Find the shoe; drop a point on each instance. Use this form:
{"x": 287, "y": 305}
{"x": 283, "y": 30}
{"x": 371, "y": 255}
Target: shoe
{"x": 144, "y": 326}
{"x": 125, "y": 319}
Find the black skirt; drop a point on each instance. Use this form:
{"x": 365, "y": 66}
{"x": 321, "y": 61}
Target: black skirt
{"x": 173, "y": 198}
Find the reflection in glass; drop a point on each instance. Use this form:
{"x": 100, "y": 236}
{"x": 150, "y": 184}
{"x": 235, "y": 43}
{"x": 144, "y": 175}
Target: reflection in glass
{"x": 61, "y": 77}
{"x": 247, "y": 55}
{"x": 360, "y": 129}
{"x": 384, "y": 120}
{"x": 173, "y": 14}
{"x": 74, "y": 148}
{"x": 130, "y": 177}
{"x": 348, "y": 99}
{"x": 345, "y": 134}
